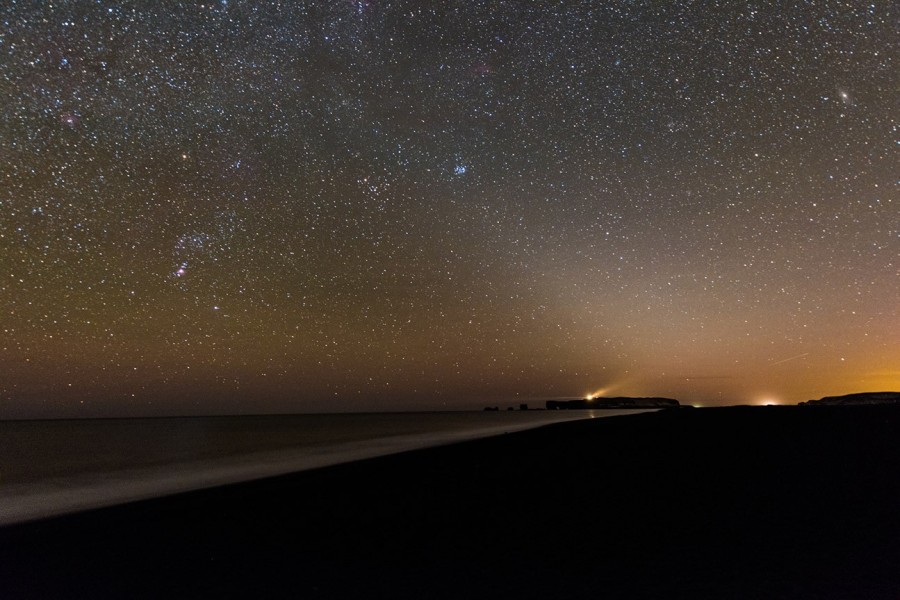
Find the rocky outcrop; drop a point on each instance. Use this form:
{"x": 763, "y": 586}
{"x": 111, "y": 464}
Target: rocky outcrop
{"x": 857, "y": 399}
{"x": 595, "y": 403}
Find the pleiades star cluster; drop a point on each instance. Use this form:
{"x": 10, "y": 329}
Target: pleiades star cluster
{"x": 370, "y": 205}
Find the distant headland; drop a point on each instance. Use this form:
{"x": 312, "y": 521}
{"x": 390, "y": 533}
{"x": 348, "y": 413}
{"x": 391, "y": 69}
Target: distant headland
{"x": 600, "y": 402}
{"x": 864, "y": 398}
{"x": 621, "y": 402}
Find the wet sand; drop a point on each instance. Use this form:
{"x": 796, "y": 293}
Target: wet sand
{"x": 776, "y": 502}
{"x": 52, "y": 468}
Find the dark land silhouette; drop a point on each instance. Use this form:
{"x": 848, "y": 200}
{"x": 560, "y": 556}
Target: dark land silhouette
{"x": 865, "y": 398}
{"x": 602, "y": 402}
{"x": 742, "y": 502}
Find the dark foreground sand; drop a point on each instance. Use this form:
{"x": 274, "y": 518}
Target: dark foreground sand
{"x": 709, "y": 503}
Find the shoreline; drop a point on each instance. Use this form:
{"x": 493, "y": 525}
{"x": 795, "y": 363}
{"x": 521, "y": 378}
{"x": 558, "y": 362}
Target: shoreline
{"x": 62, "y": 495}
{"x": 777, "y": 502}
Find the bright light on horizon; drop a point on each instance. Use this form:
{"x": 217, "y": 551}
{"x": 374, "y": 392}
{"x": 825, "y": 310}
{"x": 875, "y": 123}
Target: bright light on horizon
{"x": 596, "y": 394}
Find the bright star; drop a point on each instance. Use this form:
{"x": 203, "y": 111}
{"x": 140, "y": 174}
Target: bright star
{"x": 845, "y": 97}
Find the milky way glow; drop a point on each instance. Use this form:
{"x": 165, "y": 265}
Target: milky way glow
{"x": 234, "y": 207}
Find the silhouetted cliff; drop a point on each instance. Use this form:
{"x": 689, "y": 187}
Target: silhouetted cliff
{"x": 585, "y": 403}
{"x": 857, "y": 399}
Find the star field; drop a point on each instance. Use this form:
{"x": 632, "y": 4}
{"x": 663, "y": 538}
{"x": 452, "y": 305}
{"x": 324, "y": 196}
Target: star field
{"x": 378, "y": 205}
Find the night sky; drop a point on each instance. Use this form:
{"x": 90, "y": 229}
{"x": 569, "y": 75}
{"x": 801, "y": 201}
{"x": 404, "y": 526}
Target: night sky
{"x": 237, "y": 207}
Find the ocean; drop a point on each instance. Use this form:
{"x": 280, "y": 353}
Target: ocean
{"x": 50, "y": 468}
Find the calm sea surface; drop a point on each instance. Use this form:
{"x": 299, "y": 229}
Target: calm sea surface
{"x": 56, "y": 467}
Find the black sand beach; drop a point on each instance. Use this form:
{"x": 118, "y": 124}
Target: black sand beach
{"x": 776, "y": 502}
